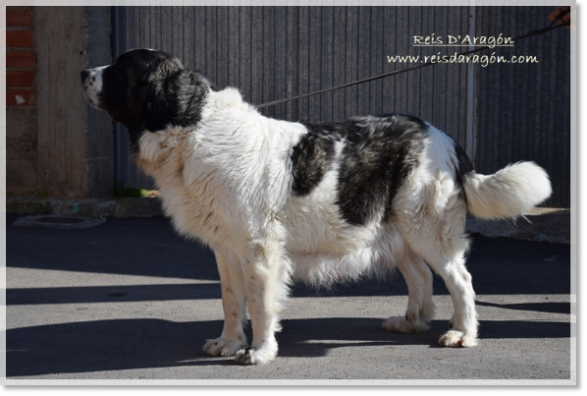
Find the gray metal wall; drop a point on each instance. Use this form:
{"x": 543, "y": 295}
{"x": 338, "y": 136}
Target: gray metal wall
{"x": 277, "y": 52}
{"x": 523, "y": 111}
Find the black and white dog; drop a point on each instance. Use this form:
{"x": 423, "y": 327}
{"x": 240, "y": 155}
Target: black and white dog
{"x": 278, "y": 200}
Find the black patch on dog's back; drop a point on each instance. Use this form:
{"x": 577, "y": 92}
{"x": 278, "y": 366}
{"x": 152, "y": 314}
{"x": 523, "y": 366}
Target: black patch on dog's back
{"x": 311, "y": 158}
{"x": 379, "y": 153}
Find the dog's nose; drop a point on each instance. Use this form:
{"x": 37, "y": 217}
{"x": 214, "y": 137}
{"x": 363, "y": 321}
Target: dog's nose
{"x": 85, "y": 74}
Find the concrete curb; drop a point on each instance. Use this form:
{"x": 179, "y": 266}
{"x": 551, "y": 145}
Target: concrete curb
{"x": 97, "y": 208}
{"x": 541, "y": 224}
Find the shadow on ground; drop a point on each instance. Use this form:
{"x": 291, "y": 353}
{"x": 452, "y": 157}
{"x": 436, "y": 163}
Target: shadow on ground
{"x": 129, "y": 344}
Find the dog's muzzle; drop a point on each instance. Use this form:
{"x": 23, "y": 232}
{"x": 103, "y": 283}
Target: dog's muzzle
{"x": 92, "y": 84}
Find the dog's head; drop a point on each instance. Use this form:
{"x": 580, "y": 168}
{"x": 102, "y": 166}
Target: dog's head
{"x": 147, "y": 90}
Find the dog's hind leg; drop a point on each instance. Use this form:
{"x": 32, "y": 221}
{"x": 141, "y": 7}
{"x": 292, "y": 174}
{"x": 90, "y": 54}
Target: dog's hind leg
{"x": 427, "y": 308}
{"x": 459, "y": 283}
{"x": 420, "y": 307}
{"x": 266, "y": 273}
{"x": 233, "y": 301}
{"x": 431, "y": 218}
{"x": 446, "y": 255}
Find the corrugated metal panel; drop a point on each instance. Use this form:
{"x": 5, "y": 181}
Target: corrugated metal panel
{"x": 272, "y": 53}
{"x": 522, "y": 111}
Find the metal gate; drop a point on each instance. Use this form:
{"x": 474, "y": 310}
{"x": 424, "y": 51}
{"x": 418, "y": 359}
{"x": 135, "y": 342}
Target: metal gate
{"x": 500, "y": 114}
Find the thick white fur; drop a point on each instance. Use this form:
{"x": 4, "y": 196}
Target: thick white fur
{"x": 227, "y": 181}
{"x": 513, "y": 190}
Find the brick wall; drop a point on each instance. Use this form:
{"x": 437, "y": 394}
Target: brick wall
{"x": 21, "y": 59}
{"x": 21, "y": 102}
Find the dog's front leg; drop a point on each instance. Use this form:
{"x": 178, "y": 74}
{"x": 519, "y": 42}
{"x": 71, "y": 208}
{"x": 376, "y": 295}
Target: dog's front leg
{"x": 232, "y": 338}
{"x": 265, "y": 273}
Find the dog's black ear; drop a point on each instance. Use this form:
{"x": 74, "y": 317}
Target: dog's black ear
{"x": 156, "y": 113}
{"x": 186, "y": 95}
{"x": 174, "y": 101}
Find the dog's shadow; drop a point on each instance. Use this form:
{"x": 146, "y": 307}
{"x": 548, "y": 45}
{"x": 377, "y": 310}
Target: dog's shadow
{"x": 109, "y": 345}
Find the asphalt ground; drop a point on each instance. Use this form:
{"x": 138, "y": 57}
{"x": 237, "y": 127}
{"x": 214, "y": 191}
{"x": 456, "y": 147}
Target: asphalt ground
{"x": 131, "y": 300}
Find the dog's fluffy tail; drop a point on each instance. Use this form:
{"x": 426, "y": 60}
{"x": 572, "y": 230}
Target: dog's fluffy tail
{"x": 508, "y": 193}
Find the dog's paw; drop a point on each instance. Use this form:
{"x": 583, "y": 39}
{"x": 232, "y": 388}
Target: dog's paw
{"x": 222, "y": 347}
{"x": 456, "y": 339}
{"x": 246, "y": 356}
{"x": 263, "y": 355}
{"x": 403, "y": 325}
